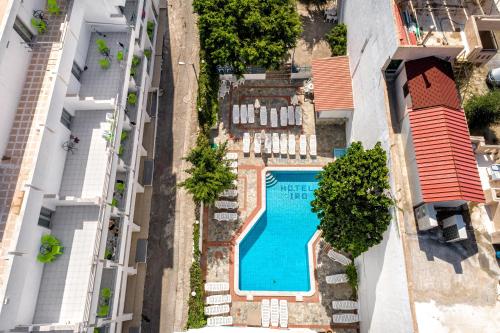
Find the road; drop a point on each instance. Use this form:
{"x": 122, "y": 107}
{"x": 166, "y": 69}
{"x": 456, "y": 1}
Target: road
{"x": 166, "y": 287}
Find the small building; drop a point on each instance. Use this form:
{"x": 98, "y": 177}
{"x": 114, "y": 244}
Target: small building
{"x": 333, "y": 99}
{"x": 441, "y": 165}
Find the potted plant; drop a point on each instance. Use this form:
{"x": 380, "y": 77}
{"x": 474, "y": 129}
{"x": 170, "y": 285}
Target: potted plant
{"x": 39, "y": 25}
{"x": 50, "y": 249}
{"x": 104, "y": 63}
{"x": 102, "y": 46}
{"x": 119, "y": 56}
{"x": 53, "y": 7}
{"x": 108, "y": 254}
{"x": 123, "y": 136}
{"x": 132, "y": 98}
{"x": 147, "y": 53}
{"x": 120, "y": 187}
{"x": 114, "y": 202}
{"x": 150, "y": 29}
{"x": 103, "y": 310}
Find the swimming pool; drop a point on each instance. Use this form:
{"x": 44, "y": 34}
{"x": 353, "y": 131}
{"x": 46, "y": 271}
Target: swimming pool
{"x": 274, "y": 254}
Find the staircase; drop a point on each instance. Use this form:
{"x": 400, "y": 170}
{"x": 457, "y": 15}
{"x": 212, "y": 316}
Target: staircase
{"x": 270, "y": 180}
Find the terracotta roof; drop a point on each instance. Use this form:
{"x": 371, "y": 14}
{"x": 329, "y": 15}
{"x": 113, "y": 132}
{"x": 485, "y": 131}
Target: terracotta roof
{"x": 431, "y": 83}
{"x": 446, "y": 165}
{"x": 332, "y": 84}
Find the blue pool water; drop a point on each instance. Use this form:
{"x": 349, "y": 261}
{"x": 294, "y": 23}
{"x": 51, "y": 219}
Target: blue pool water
{"x": 273, "y": 255}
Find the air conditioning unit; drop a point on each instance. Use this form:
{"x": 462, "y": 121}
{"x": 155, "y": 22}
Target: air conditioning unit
{"x": 426, "y": 217}
{"x": 454, "y": 229}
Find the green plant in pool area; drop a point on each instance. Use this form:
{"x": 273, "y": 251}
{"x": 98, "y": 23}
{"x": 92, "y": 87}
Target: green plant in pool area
{"x": 120, "y": 187}
{"x": 102, "y": 311}
{"x": 196, "y": 314}
{"x": 352, "y": 200}
{"x": 104, "y": 63}
{"x": 147, "y": 53}
{"x": 150, "y": 29}
{"x": 119, "y": 56}
{"x": 53, "y": 7}
{"x": 352, "y": 278}
{"x": 102, "y": 46}
{"x": 337, "y": 39}
{"x": 39, "y": 25}
{"x": 132, "y": 98}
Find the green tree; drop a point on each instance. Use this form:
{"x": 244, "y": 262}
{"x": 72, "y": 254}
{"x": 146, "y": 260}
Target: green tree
{"x": 483, "y": 110}
{"x": 239, "y": 33}
{"x": 351, "y": 200}
{"x": 337, "y": 39}
{"x": 210, "y": 173}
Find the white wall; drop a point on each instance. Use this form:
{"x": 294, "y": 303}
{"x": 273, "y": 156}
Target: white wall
{"x": 383, "y": 289}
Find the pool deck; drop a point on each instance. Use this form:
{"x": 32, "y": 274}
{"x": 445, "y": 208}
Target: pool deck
{"x": 219, "y": 238}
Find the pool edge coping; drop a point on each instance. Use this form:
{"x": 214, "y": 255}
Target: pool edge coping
{"x": 248, "y": 226}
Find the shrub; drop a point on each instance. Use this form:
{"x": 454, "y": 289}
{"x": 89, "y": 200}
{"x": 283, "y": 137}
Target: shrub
{"x": 114, "y": 203}
{"x": 132, "y": 99}
{"x": 135, "y": 61}
{"x": 150, "y": 29}
{"x": 207, "y": 102}
{"x": 352, "y": 199}
{"x": 39, "y": 25}
{"x": 120, "y": 150}
{"x": 102, "y": 46}
{"x": 106, "y": 294}
{"x": 352, "y": 277}
{"x": 104, "y": 63}
{"x": 196, "y": 314}
{"x": 120, "y": 187}
{"x": 147, "y": 53}
{"x": 483, "y": 111}
{"x": 53, "y": 7}
{"x": 119, "y": 56}
{"x": 102, "y": 310}
{"x": 337, "y": 39}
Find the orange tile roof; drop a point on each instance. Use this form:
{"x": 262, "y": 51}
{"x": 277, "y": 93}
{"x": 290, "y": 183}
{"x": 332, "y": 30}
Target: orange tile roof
{"x": 332, "y": 84}
{"x": 446, "y": 165}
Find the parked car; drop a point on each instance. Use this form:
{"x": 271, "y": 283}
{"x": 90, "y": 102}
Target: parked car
{"x": 493, "y": 77}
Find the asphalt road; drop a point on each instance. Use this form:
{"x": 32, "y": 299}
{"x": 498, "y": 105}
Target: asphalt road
{"x": 172, "y": 210}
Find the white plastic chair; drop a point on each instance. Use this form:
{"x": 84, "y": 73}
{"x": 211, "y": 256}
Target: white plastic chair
{"x": 291, "y": 115}
{"x": 283, "y": 313}
{"x": 243, "y": 114}
{"x": 274, "y": 117}
{"x": 283, "y": 117}
{"x": 268, "y": 144}
{"x": 236, "y": 114}
{"x": 276, "y": 143}
{"x": 291, "y": 145}
{"x": 298, "y": 116}
{"x": 251, "y": 114}
{"x": 246, "y": 143}
{"x": 345, "y": 318}
{"x": 265, "y": 312}
{"x": 345, "y": 305}
{"x": 283, "y": 144}
{"x": 218, "y": 299}
{"x": 336, "y": 279}
{"x": 275, "y": 314}
{"x": 340, "y": 258}
{"x": 312, "y": 146}
{"x": 216, "y": 286}
{"x": 257, "y": 144}
{"x": 214, "y": 310}
{"x": 263, "y": 116}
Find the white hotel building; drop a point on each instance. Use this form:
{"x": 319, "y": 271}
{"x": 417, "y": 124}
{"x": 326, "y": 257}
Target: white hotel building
{"x": 52, "y": 89}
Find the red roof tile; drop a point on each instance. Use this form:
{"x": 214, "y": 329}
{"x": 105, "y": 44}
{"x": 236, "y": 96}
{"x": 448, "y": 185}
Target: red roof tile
{"x": 332, "y": 84}
{"x": 431, "y": 83}
{"x": 446, "y": 165}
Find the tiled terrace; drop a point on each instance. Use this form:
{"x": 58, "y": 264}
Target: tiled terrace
{"x": 85, "y": 168}
{"x": 312, "y": 312}
{"x": 63, "y": 288}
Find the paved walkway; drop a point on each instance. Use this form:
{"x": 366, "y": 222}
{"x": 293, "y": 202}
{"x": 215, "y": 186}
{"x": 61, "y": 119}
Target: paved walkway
{"x": 172, "y": 211}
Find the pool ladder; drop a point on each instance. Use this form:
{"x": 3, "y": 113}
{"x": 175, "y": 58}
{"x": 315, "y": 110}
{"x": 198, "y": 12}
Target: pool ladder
{"x": 270, "y": 180}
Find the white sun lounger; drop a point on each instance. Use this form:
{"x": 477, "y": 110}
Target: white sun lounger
{"x": 274, "y": 117}
{"x": 336, "y": 279}
{"x": 251, "y": 114}
{"x": 246, "y": 143}
{"x": 275, "y": 313}
{"x": 219, "y": 321}
{"x": 312, "y": 145}
{"x": 283, "y": 144}
{"x": 231, "y": 156}
{"x": 345, "y": 305}
{"x": 218, "y": 299}
{"x": 283, "y": 117}
{"x": 263, "y": 116}
{"x": 257, "y": 143}
{"x": 221, "y": 204}
{"x": 283, "y": 313}
{"x": 298, "y": 116}
{"x": 265, "y": 312}
{"x": 229, "y": 194}
{"x": 243, "y": 114}
{"x": 214, "y": 310}
{"x": 276, "y": 143}
{"x": 303, "y": 145}
{"x": 233, "y": 164}
{"x": 236, "y": 114}
{"x": 226, "y": 217}
{"x": 291, "y": 145}
{"x": 268, "y": 144}
{"x": 291, "y": 115}
{"x": 345, "y": 318}
{"x": 340, "y": 258}
{"x": 216, "y": 286}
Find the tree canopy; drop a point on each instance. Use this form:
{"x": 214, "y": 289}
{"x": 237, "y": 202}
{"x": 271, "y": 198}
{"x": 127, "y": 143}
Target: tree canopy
{"x": 337, "y": 39}
{"x": 483, "y": 110}
{"x": 351, "y": 200}
{"x": 210, "y": 173}
{"x": 240, "y": 33}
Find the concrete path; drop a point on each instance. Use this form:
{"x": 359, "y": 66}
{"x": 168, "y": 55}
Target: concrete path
{"x": 172, "y": 211}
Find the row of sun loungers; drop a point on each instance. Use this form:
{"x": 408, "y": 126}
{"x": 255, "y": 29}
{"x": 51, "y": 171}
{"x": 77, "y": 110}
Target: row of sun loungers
{"x": 274, "y": 313}
{"x": 288, "y": 116}
{"x": 279, "y": 144}
{"x": 218, "y": 305}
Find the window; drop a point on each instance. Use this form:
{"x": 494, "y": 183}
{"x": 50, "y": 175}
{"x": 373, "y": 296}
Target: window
{"x": 66, "y": 119}
{"x": 77, "y": 71}
{"x": 23, "y": 30}
{"x": 45, "y": 217}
